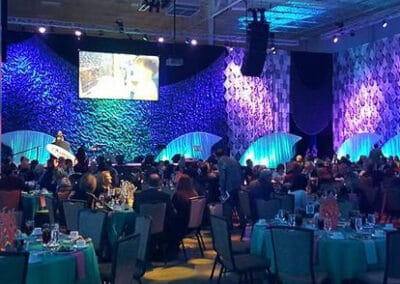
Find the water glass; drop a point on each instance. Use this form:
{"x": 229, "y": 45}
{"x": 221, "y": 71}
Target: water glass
{"x": 281, "y": 215}
{"x": 327, "y": 224}
{"x": 292, "y": 220}
{"x": 358, "y": 224}
{"x": 310, "y": 209}
{"x": 371, "y": 221}
{"x": 29, "y": 225}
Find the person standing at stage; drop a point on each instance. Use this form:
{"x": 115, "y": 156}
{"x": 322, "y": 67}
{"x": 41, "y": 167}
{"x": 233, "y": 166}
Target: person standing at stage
{"x": 230, "y": 181}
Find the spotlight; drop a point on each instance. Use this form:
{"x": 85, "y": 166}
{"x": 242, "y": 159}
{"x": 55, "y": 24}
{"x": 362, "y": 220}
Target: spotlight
{"x": 42, "y": 30}
{"x": 78, "y": 33}
{"x": 274, "y": 50}
{"x": 335, "y": 39}
{"x": 384, "y": 24}
{"x": 230, "y": 48}
{"x": 160, "y": 39}
{"x": 145, "y": 37}
{"x": 193, "y": 42}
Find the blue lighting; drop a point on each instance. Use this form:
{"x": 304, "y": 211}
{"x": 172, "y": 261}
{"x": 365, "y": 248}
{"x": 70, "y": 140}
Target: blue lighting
{"x": 392, "y": 147}
{"x": 293, "y": 15}
{"x": 357, "y": 146}
{"x": 271, "y": 150}
{"x": 196, "y": 145}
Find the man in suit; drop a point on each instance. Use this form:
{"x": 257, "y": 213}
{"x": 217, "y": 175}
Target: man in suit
{"x": 153, "y": 194}
{"x": 230, "y": 181}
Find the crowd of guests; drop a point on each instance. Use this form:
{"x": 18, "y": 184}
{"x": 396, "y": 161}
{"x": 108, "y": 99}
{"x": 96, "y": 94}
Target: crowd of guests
{"x": 219, "y": 179}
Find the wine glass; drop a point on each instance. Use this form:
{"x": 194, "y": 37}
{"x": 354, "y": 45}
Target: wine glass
{"x": 358, "y": 224}
{"x": 292, "y": 220}
{"x": 371, "y": 221}
{"x": 29, "y": 225}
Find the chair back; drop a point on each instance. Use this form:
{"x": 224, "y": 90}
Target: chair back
{"x": 392, "y": 255}
{"x": 91, "y": 224}
{"x": 124, "y": 264}
{"x": 143, "y": 227}
{"x": 287, "y": 201}
{"x": 13, "y": 267}
{"x": 71, "y": 213}
{"x": 215, "y": 209}
{"x": 10, "y": 199}
{"x": 50, "y": 208}
{"x": 156, "y": 211}
{"x": 197, "y": 206}
{"x": 221, "y": 239}
{"x": 293, "y": 246}
{"x": 244, "y": 202}
{"x": 267, "y": 209}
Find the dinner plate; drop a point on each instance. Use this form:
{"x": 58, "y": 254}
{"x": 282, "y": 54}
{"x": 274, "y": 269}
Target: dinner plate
{"x": 80, "y": 247}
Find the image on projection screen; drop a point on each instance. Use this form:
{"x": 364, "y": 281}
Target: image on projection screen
{"x": 118, "y": 76}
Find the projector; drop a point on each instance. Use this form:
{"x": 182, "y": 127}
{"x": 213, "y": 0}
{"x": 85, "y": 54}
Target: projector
{"x": 174, "y": 61}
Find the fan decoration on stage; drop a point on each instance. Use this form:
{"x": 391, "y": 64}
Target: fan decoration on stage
{"x": 60, "y": 148}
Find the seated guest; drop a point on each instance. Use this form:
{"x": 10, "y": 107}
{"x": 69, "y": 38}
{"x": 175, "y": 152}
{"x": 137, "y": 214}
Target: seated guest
{"x": 248, "y": 171}
{"x": 104, "y": 183}
{"x": 152, "y": 195}
{"x": 298, "y": 190}
{"x": 49, "y": 178}
{"x": 9, "y": 179}
{"x": 261, "y": 188}
{"x": 181, "y": 201}
{"x": 87, "y": 184}
{"x": 25, "y": 173}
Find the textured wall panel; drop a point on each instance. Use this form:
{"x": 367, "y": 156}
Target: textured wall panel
{"x": 366, "y": 88}
{"x": 256, "y": 105}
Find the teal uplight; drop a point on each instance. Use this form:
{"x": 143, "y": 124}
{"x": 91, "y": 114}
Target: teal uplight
{"x": 357, "y": 146}
{"x": 271, "y": 150}
{"x": 196, "y": 145}
{"x": 31, "y": 144}
{"x": 392, "y": 147}
{"x": 292, "y": 15}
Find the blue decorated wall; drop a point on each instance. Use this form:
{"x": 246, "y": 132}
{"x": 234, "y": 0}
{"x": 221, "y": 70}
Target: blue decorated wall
{"x": 40, "y": 93}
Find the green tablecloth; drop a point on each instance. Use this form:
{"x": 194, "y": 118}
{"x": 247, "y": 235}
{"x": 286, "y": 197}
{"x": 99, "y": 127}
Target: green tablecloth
{"x": 30, "y": 205}
{"x": 61, "y": 269}
{"x": 340, "y": 258}
{"x": 119, "y": 223}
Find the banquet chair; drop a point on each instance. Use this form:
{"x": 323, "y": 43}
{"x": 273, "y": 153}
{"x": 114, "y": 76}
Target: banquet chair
{"x": 197, "y": 206}
{"x": 71, "y": 210}
{"x": 10, "y": 199}
{"x": 142, "y": 227}
{"x": 123, "y": 267}
{"x": 267, "y": 209}
{"x": 242, "y": 264}
{"x": 287, "y": 201}
{"x": 244, "y": 203}
{"x": 13, "y": 267}
{"x": 294, "y": 255}
{"x": 391, "y": 272}
{"x": 156, "y": 211}
{"x": 91, "y": 224}
{"x": 215, "y": 209}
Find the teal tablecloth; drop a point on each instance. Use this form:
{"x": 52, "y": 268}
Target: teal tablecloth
{"x": 340, "y": 258}
{"x": 30, "y": 205}
{"x": 61, "y": 269}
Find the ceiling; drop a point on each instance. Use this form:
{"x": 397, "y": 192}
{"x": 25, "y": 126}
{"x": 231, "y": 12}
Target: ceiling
{"x": 294, "y": 23}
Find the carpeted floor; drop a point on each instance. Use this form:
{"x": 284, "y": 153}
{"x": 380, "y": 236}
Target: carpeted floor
{"x": 195, "y": 270}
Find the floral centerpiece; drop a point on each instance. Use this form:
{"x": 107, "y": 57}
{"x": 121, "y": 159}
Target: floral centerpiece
{"x": 8, "y": 229}
{"x": 329, "y": 209}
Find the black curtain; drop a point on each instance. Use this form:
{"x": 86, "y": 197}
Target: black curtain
{"x": 311, "y": 101}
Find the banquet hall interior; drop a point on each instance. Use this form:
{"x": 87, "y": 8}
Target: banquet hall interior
{"x": 200, "y": 141}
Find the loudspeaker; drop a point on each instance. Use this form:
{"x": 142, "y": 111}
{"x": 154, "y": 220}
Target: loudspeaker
{"x": 257, "y": 43}
{"x": 3, "y": 35}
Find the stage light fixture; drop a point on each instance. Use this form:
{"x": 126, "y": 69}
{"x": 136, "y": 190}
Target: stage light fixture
{"x": 193, "y": 42}
{"x": 384, "y": 24}
{"x": 160, "y": 39}
{"x": 335, "y": 39}
{"x": 42, "y": 30}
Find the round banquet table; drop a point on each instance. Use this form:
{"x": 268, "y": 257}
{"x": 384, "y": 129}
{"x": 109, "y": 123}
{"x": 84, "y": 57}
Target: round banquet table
{"x": 339, "y": 258}
{"x": 63, "y": 268}
{"x": 30, "y": 204}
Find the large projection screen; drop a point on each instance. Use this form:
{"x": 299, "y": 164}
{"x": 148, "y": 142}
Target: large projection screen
{"x": 118, "y": 76}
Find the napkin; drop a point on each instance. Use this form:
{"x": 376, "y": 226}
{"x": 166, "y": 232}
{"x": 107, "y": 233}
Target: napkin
{"x": 80, "y": 265}
{"x": 370, "y": 251}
